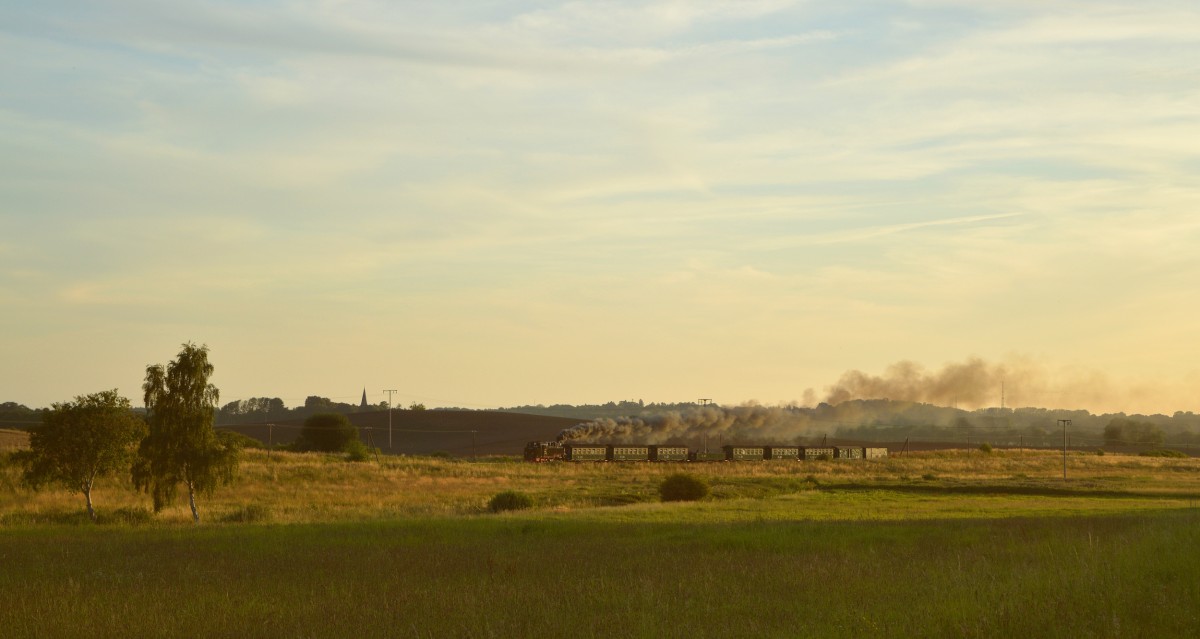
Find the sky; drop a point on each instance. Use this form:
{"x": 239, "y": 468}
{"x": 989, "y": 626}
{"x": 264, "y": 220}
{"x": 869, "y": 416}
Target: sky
{"x": 488, "y": 203}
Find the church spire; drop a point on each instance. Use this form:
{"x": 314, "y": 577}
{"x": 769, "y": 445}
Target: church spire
{"x": 364, "y": 401}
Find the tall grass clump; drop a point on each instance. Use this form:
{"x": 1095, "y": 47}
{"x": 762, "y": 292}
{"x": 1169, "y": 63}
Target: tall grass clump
{"x": 683, "y": 487}
{"x": 1163, "y": 452}
{"x": 510, "y": 500}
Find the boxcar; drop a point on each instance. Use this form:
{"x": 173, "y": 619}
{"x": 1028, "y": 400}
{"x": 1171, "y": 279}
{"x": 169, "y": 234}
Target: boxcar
{"x": 668, "y": 453}
{"x": 875, "y": 453}
{"x": 586, "y": 452}
{"x": 705, "y": 456}
{"x": 630, "y": 453}
{"x": 782, "y": 452}
{"x": 813, "y": 453}
{"x": 744, "y": 453}
{"x": 848, "y": 452}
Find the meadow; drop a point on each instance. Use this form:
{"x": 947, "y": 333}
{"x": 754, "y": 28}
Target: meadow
{"x": 930, "y": 544}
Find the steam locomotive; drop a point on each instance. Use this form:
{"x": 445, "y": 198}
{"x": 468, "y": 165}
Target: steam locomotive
{"x": 558, "y": 451}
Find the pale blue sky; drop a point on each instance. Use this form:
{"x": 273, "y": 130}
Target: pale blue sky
{"x": 498, "y": 203}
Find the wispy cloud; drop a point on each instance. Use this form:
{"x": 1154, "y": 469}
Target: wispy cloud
{"x": 810, "y": 187}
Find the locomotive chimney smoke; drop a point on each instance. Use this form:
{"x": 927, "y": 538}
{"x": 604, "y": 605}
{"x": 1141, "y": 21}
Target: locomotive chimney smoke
{"x": 971, "y": 384}
{"x": 975, "y": 383}
{"x": 752, "y": 423}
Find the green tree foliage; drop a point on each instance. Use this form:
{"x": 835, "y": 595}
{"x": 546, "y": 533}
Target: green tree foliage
{"x": 255, "y": 409}
{"x": 682, "y": 487}
{"x": 1127, "y": 431}
{"x": 79, "y": 441}
{"x": 329, "y": 432}
{"x": 314, "y": 402}
{"x": 14, "y": 415}
{"x": 182, "y": 447}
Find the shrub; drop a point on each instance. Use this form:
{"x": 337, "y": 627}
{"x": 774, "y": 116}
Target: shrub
{"x": 1163, "y": 452}
{"x": 328, "y": 432}
{"x": 356, "y": 451}
{"x": 985, "y": 448}
{"x": 240, "y": 440}
{"x": 510, "y": 500}
{"x": 248, "y": 514}
{"x": 929, "y": 476}
{"x": 681, "y": 487}
{"x": 132, "y": 515}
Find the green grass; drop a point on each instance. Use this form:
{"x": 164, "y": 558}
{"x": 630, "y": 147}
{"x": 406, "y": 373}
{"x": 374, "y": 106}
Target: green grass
{"x": 515, "y": 576}
{"x": 308, "y": 545}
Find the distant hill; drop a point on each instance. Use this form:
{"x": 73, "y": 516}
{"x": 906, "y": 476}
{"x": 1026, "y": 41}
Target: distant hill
{"x": 421, "y": 432}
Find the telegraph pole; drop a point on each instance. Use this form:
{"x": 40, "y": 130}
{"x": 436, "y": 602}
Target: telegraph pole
{"x": 705, "y": 401}
{"x": 390, "y": 392}
{"x": 1065, "y": 423}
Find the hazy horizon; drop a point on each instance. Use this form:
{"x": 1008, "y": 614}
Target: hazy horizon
{"x": 486, "y": 205}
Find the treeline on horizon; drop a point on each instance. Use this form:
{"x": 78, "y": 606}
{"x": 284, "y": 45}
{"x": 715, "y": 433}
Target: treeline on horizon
{"x": 875, "y": 420}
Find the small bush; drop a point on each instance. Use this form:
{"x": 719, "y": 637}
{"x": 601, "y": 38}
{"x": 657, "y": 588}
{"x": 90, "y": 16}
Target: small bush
{"x": 249, "y": 514}
{"x": 985, "y": 448}
{"x": 240, "y": 440}
{"x": 510, "y": 500}
{"x": 929, "y": 476}
{"x": 327, "y": 432}
{"x": 1099, "y": 452}
{"x": 681, "y": 487}
{"x": 356, "y": 451}
{"x": 132, "y": 515}
{"x": 1163, "y": 452}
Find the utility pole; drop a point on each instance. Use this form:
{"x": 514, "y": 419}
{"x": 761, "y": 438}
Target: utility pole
{"x": 390, "y": 392}
{"x": 705, "y": 401}
{"x": 1065, "y": 423}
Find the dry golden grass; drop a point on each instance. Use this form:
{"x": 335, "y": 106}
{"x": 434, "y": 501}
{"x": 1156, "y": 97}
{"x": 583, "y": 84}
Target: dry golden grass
{"x": 311, "y": 487}
{"x": 13, "y": 440}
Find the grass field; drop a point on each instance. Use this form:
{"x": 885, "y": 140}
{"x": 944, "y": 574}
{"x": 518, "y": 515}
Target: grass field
{"x": 12, "y": 440}
{"x": 934, "y": 544}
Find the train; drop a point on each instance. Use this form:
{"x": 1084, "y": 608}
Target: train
{"x": 558, "y": 451}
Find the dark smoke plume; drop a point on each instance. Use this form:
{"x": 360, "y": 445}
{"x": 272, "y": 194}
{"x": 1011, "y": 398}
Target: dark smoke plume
{"x": 1017, "y": 382}
{"x": 751, "y": 423}
{"x": 973, "y": 383}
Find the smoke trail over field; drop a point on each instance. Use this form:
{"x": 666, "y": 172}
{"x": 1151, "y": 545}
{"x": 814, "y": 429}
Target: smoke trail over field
{"x": 972, "y": 383}
{"x": 752, "y": 423}
{"x": 976, "y": 383}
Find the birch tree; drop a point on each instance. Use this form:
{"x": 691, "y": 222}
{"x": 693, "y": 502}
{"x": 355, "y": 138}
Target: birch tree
{"x": 79, "y": 441}
{"x": 182, "y": 447}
